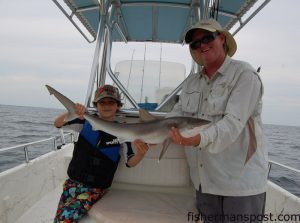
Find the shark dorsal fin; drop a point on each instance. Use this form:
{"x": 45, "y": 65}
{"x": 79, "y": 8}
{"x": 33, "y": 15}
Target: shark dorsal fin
{"x": 146, "y": 116}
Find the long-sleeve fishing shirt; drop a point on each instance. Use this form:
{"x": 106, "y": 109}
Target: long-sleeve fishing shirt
{"x": 231, "y": 159}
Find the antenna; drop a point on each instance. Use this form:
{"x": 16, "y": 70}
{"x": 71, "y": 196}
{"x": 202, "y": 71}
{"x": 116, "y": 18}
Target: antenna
{"x": 129, "y": 75}
{"x": 143, "y": 75}
{"x": 160, "y": 66}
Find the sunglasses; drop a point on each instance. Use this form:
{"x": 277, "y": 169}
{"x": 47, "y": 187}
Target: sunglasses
{"x": 205, "y": 39}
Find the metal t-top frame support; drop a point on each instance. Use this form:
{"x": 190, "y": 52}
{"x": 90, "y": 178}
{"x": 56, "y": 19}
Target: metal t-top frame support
{"x": 199, "y": 9}
{"x": 101, "y": 62}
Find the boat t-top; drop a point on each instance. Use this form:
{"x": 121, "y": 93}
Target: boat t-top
{"x": 152, "y": 191}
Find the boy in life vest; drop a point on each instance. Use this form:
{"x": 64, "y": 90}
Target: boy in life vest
{"x": 95, "y": 157}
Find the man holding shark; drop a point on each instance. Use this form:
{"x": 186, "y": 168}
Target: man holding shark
{"x": 227, "y": 160}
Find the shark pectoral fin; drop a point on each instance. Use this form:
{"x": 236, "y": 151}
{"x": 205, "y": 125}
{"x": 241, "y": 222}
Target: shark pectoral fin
{"x": 166, "y": 144}
{"x": 145, "y": 116}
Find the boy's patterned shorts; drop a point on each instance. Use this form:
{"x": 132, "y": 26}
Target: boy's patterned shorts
{"x": 75, "y": 201}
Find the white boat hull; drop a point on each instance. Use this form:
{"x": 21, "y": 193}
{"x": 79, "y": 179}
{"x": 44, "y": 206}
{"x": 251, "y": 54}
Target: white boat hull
{"x": 150, "y": 192}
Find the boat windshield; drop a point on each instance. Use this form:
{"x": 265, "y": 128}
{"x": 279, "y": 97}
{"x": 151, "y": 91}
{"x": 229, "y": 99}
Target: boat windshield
{"x": 150, "y": 71}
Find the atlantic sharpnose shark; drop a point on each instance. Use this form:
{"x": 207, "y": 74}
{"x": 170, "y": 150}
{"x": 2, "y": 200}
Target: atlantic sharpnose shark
{"x": 152, "y": 132}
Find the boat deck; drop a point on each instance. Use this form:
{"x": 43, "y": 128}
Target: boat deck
{"x": 131, "y": 206}
{"x": 165, "y": 195}
{"x": 150, "y": 192}
{"x": 43, "y": 210}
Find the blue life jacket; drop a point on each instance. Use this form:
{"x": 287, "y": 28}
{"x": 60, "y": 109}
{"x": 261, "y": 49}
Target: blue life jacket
{"x": 95, "y": 158}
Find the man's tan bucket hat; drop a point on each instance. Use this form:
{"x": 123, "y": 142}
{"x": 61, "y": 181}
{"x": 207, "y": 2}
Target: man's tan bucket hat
{"x": 210, "y": 25}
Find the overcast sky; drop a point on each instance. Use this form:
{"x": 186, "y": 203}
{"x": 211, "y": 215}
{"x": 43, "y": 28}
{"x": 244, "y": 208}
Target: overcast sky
{"x": 39, "y": 46}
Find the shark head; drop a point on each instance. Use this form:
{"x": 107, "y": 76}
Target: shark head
{"x": 190, "y": 126}
{"x": 195, "y": 122}
{"x": 189, "y": 123}
{"x": 187, "y": 126}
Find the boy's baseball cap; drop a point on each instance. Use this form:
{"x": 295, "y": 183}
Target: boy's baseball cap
{"x": 107, "y": 91}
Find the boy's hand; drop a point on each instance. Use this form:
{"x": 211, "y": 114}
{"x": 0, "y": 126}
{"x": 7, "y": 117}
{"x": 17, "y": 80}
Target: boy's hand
{"x": 141, "y": 147}
{"x": 79, "y": 110}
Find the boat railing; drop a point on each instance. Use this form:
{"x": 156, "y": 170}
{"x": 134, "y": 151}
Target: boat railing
{"x": 271, "y": 163}
{"x": 53, "y": 139}
{"x": 289, "y": 172}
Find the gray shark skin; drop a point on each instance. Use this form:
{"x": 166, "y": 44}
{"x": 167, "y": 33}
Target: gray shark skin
{"x": 152, "y": 132}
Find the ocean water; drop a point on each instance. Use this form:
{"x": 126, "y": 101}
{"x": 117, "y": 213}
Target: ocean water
{"x": 284, "y": 148}
{"x": 19, "y": 125}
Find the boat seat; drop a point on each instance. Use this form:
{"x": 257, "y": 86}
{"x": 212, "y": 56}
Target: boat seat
{"x": 149, "y": 192}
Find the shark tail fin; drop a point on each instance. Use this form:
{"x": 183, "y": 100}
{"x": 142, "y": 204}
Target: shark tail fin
{"x": 70, "y": 117}
{"x": 66, "y": 102}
